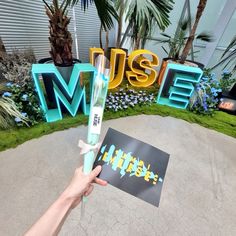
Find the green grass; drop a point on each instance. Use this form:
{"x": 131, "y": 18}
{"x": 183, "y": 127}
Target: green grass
{"x": 221, "y": 122}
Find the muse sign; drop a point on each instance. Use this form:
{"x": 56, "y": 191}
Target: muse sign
{"x": 175, "y": 90}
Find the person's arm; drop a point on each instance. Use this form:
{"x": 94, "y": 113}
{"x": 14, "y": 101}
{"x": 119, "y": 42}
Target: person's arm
{"x": 81, "y": 185}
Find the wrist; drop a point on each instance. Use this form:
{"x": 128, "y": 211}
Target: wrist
{"x": 65, "y": 200}
{"x": 69, "y": 199}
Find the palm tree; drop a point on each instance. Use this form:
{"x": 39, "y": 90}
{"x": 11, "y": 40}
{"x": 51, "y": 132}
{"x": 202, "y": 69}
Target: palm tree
{"x": 142, "y": 15}
{"x": 60, "y": 37}
{"x": 188, "y": 45}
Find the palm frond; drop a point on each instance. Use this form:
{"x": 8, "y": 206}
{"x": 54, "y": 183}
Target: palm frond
{"x": 141, "y": 10}
{"x": 230, "y": 46}
{"x": 48, "y": 6}
{"x": 64, "y": 7}
{"x": 205, "y": 36}
{"x": 229, "y": 56}
{"x": 165, "y": 35}
{"x": 84, "y": 3}
{"x": 164, "y": 50}
{"x": 105, "y": 10}
{"x": 231, "y": 62}
{"x": 142, "y": 15}
{"x": 184, "y": 24}
{"x": 106, "y": 13}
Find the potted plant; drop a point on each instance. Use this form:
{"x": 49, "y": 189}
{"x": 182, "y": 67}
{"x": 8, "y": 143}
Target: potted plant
{"x": 61, "y": 46}
{"x": 178, "y": 74}
{"x": 60, "y": 37}
{"x": 180, "y": 40}
{"x": 182, "y": 43}
{"x": 61, "y": 40}
{"x": 176, "y": 45}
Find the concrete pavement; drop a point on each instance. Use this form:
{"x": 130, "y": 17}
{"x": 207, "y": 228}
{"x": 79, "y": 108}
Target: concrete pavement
{"x": 198, "y": 196}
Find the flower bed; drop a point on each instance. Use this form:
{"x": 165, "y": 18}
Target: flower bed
{"x": 125, "y": 98}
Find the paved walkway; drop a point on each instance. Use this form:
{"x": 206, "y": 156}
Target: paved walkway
{"x": 198, "y": 198}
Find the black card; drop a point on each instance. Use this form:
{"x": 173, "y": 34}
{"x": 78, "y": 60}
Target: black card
{"x": 132, "y": 166}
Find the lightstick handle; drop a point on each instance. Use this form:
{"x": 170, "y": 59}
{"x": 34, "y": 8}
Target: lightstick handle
{"x": 88, "y": 166}
{"x": 88, "y": 162}
{"x": 85, "y": 199}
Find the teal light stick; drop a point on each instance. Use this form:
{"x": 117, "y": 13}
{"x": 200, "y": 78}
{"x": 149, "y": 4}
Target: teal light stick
{"x": 98, "y": 100}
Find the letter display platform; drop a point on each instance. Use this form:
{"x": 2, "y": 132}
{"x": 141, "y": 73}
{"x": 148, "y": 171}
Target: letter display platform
{"x": 72, "y": 89}
{"x": 178, "y": 85}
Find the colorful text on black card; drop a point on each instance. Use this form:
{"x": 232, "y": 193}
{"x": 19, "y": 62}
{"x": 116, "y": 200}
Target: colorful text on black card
{"x": 127, "y": 163}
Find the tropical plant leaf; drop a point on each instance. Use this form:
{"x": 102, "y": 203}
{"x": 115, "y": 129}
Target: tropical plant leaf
{"x": 231, "y": 62}
{"x": 195, "y": 52}
{"x": 230, "y": 46}
{"x": 143, "y": 14}
{"x": 229, "y": 56}
{"x": 205, "y": 36}
{"x": 162, "y": 40}
{"x": 106, "y": 13}
{"x": 164, "y": 50}
{"x": 165, "y": 35}
{"x": 48, "y": 6}
{"x": 105, "y": 10}
{"x": 184, "y": 24}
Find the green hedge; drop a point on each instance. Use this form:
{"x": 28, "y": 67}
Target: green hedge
{"x": 221, "y": 122}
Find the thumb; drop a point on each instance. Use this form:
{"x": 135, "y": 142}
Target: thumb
{"x": 95, "y": 173}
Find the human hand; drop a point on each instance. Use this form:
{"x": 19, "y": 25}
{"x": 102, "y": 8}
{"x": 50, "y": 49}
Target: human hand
{"x": 81, "y": 185}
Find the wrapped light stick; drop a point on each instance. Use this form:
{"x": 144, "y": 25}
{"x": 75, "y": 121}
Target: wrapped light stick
{"x": 97, "y": 105}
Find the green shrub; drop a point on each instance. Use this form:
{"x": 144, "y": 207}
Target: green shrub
{"x": 227, "y": 81}
{"x": 16, "y": 69}
{"x": 26, "y": 101}
{"x": 206, "y": 95}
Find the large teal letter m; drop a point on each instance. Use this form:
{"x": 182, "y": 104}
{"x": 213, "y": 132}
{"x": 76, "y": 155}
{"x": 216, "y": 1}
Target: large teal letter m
{"x": 73, "y": 90}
